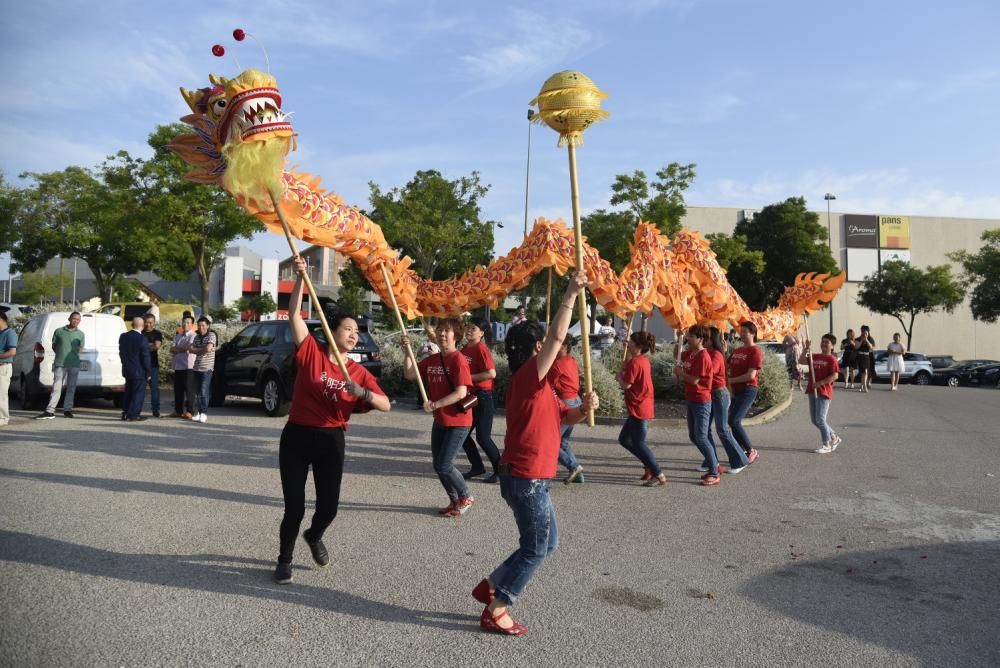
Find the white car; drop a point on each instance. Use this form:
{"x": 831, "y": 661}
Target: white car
{"x": 100, "y": 365}
{"x": 16, "y": 311}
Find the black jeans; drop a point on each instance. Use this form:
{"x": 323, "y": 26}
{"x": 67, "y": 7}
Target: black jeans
{"x": 184, "y": 392}
{"x": 323, "y": 448}
{"x": 482, "y": 423}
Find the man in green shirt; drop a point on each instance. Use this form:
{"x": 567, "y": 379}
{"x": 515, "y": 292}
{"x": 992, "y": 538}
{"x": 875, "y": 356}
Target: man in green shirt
{"x": 67, "y": 342}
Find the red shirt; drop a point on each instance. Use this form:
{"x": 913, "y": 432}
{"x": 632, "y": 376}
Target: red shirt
{"x": 565, "y": 377}
{"x": 480, "y": 359}
{"x": 718, "y": 369}
{"x": 439, "y": 386}
{"x": 320, "y": 397}
{"x": 742, "y": 360}
{"x": 698, "y": 365}
{"x": 639, "y": 396}
{"x": 531, "y": 445}
{"x": 823, "y": 367}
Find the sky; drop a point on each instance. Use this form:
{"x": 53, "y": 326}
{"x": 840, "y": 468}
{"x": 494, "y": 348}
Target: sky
{"x": 891, "y": 106}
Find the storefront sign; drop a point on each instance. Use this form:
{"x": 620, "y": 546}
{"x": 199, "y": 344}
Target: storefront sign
{"x": 894, "y": 231}
{"x": 861, "y": 231}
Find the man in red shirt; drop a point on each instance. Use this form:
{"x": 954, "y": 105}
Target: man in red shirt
{"x": 531, "y": 447}
{"x": 820, "y": 390}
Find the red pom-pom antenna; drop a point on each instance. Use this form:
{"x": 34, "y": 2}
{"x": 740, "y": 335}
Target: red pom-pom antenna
{"x": 239, "y": 35}
{"x": 218, "y": 51}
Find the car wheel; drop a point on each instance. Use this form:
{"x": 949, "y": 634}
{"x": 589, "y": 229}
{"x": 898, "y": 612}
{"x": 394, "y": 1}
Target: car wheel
{"x": 275, "y": 404}
{"x": 922, "y": 378}
{"x": 953, "y": 381}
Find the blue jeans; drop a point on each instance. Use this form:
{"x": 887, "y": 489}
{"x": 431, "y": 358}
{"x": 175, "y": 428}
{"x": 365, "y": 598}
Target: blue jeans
{"x": 818, "y": 409}
{"x": 482, "y": 421}
{"x": 203, "y": 385}
{"x": 566, "y": 456}
{"x": 720, "y": 415}
{"x": 539, "y": 536}
{"x": 154, "y": 386}
{"x": 742, "y": 401}
{"x": 699, "y": 423}
{"x": 445, "y": 444}
{"x": 633, "y": 438}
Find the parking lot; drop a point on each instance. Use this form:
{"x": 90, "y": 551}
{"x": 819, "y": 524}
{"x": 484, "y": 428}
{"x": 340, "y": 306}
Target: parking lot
{"x": 153, "y": 544}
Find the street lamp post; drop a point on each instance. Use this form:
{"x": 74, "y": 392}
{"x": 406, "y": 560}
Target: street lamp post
{"x": 829, "y": 197}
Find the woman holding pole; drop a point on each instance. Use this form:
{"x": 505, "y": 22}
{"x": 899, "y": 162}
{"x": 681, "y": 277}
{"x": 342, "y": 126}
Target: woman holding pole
{"x": 745, "y": 364}
{"x": 721, "y": 402}
{"x": 824, "y": 374}
{"x": 477, "y": 354}
{"x": 694, "y": 370}
{"x": 449, "y": 382}
{"x": 322, "y": 403}
{"x": 529, "y": 458}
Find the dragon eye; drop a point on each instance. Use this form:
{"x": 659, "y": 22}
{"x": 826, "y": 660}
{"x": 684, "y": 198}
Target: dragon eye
{"x": 220, "y": 105}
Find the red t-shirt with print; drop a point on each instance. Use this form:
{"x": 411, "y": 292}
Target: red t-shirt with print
{"x": 534, "y": 413}
{"x": 565, "y": 377}
{"x": 718, "y": 369}
{"x": 742, "y": 360}
{"x": 699, "y": 364}
{"x": 480, "y": 359}
{"x": 639, "y": 396}
{"x": 439, "y": 386}
{"x": 823, "y": 366}
{"x": 320, "y": 397}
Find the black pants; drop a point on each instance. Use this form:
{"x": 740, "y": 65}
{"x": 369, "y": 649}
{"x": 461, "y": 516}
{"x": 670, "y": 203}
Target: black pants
{"x": 482, "y": 424}
{"x": 184, "y": 392}
{"x": 135, "y": 395}
{"x": 323, "y": 448}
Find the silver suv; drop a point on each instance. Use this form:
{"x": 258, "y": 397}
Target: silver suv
{"x": 916, "y": 368}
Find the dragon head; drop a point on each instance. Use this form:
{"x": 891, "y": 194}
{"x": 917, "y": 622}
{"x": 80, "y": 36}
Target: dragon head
{"x": 241, "y": 134}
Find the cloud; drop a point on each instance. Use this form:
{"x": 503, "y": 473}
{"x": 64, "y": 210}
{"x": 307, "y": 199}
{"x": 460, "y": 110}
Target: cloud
{"x": 874, "y": 191}
{"x": 28, "y": 149}
{"x": 538, "y": 44}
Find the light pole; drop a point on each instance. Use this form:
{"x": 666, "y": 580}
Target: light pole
{"x": 829, "y": 197}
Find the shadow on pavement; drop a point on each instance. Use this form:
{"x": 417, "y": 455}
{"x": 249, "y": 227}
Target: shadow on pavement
{"x": 218, "y": 574}
{"x": 937, "y": 603}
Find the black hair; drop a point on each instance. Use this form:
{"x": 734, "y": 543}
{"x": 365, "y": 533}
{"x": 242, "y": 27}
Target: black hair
{"x": 699, "y": 332}
{"x": 645, "y": 341}
{"x": 75, "y": 313}
{"x": 484, "y": 326}
{"x": 831, "y": 338}
{"x": 3, "y": 316}
{"x": 866, "y": 328}
{"x": 750, "y": 327}
{"x": 205, "y": 320}
{"x": 188, "y": 316}
{"x": 520, "y": 343}
{"x": 336, "y": 320}
{"x": 715, "y": 336}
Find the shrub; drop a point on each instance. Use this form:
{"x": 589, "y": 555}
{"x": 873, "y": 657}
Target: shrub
{"x": 773, "y": 380}
{"x": 665, "y": 383}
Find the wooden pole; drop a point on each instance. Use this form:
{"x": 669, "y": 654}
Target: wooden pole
{"x": 402, "y": 331}
{"x": 331, "y": 344}
{"x": 548, "y": 301}
{"x": 812, "y": 371}
{"x": 582, "y": 297}
{"x": 628, "y": 333}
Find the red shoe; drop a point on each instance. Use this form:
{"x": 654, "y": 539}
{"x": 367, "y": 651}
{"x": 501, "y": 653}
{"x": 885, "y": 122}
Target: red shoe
{"x": 482, "y": 592}
{"x": 709, "y": 480}
{"x": 752, "y": 457}
{"x": 657, "y": 481}
{"x": 462, "y": 506}
{"x": 449, "y": 509}
{"x": 648, "y": 475}
{"x": 488, "y": 622}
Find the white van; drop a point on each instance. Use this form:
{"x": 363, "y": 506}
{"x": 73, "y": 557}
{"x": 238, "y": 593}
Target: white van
{"x": 100, "y": 365}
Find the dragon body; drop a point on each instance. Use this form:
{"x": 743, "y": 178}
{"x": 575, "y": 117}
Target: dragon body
{"x": 241, "y": 136}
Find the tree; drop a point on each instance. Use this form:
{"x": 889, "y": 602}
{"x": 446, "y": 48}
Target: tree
{"x": 37, "y": 287}
{"x": 10, "y": 204}
{"x": 436, "y": 222}
{"x": 742, "y": 265}
{"x": 982, "y": 272}
{"x": 76, "y": 213}
{"x": 904, "y": 291}
{"x": 792, "y": 242}
{"x": 353, "y": 286}
{"x": 258, "y": 305}
{"x": 192, "y": 223}
{"x": 666, "y": 208}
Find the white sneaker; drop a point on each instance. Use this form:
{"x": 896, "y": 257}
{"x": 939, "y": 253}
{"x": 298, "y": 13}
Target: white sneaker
{"x": 823, "y": 450}
{"x": 202, "y": 417}
{"x": 835, "y": 442}
{"x": 735, "y": 470}
{"x": 196, "y": 418}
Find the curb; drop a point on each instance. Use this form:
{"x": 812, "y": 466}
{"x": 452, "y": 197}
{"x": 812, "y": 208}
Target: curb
{"x": 769, "y": 415}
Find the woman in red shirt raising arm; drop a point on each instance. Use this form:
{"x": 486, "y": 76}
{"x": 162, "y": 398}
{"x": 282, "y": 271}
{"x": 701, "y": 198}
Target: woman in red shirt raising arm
{"x": 449, "y": 381}
{"x": 820, "y": 390}
{"x": 695, "y": 370}
{"x": 528, "y": 463}
{"x": 636, "y": 378}
{"x": 322, "y": 403}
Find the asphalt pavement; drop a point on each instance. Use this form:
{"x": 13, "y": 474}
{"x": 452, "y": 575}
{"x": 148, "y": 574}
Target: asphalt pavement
{"x": 153, "y": 543}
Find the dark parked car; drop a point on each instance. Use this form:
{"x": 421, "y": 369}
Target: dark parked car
{"x": 959, "y": 373}
{"x": 260, "y": 362}
{"x": 987, "y": 375}
{"x": 942, "y": 361}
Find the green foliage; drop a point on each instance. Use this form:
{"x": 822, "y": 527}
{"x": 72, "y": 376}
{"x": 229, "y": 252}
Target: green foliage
{"x": 773, "y": 383}
{"x": 125, "y": 289}
{"x": 10, "y": 205}
{"x": 392, "y": 381}
{"x": 904, "y": 291}
{"x": 351, "y": 297}
{"x": 223, "y": 313}
{"x": 38, "y": 287}
{"x": 665, "y": 383}
{"x": 792, "y": 242}
{"x": 436, "y": 222}
{"x": 742, "y": 265}
{"x": 259, "y": 305}
{"x": 982, "y": 273}
{"x": 610, "y": 232}
{"x": 169, "y": 328}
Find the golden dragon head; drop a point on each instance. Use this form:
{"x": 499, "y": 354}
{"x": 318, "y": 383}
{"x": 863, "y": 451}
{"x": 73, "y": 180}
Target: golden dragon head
{"x": 241, "y": 134}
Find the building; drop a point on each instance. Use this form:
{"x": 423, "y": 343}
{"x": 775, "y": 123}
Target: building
{"x": 861, "y": 243}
